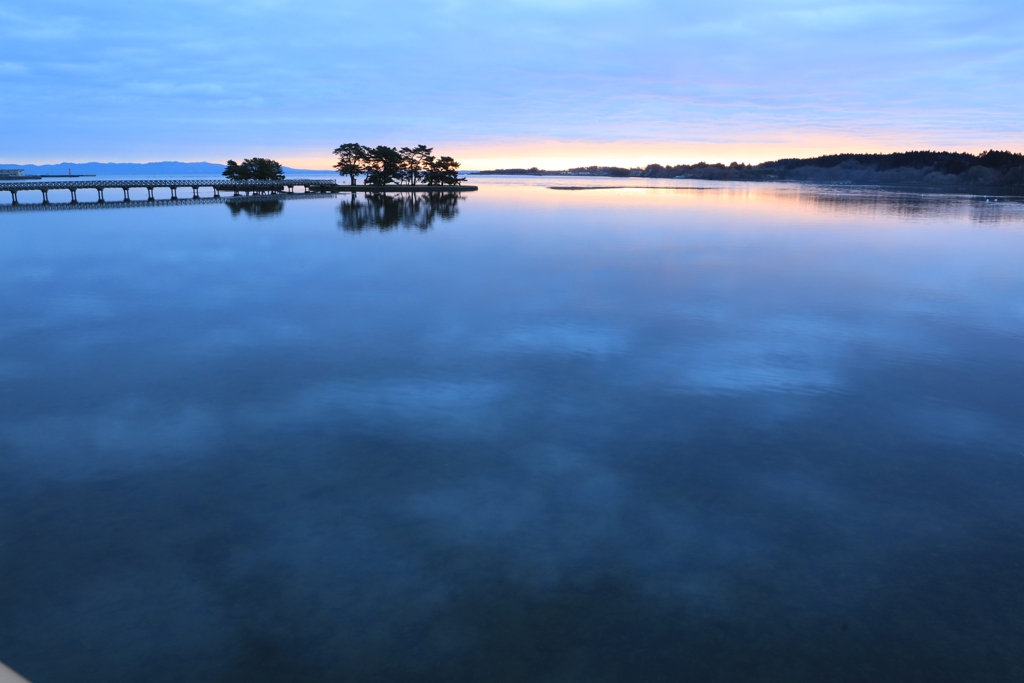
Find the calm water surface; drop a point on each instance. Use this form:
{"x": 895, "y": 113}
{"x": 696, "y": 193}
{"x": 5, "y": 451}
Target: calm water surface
{"x": 727, "y": 433}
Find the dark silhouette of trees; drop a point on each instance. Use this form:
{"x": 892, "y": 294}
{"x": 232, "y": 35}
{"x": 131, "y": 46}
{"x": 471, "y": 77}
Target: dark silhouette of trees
{"x": 609, "y": 171}
{"x": 256, "y": 168}
{"x": 443, "y": 171}
{"x": 383, "y": 165}
{"x": 414, "y": 162}
{"x": 352, "y": 158}
{"x": 991, "y": 168}
{"x": 953, "y": 169}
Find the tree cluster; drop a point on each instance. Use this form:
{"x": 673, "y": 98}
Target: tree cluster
{"x": 992, "y": 168}
{"x": 522, "y": 171}
{"x": 256, "y": 168}
{"x": 384, "y": 165}
{"x": 988, "y": 169}
{"x": 610, "y": 171}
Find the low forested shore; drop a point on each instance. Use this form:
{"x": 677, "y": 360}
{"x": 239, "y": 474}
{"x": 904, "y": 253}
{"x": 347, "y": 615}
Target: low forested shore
{"x": 988, "y": 169}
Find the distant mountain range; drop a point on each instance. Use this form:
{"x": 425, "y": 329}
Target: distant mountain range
{"x": 153, "y": 168}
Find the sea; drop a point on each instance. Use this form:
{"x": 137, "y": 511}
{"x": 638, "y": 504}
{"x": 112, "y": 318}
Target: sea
{"x": 556, "y": 429}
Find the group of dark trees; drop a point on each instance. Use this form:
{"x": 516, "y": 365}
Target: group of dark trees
{"x": 522, "y": 171}
{"x": 992, "y": 168}
{"x": 612, "y": 171}
{"x": 256, "y": 168}
{"x": 384, "y": 165}
{"x": 379, "y": 165}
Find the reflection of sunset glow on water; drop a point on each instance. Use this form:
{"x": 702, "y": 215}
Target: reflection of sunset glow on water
{"x": 799, "y": 204}
{"x": 410, "y": 437}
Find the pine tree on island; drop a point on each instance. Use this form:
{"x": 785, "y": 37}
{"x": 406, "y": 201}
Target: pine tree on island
{"x": 351, "y": 160}
{"x": 443, "y": 171}
{"x": 256, "y": 168}
{"x": 383, "y": 165}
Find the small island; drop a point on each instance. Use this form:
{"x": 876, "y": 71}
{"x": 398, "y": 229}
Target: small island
{"x": 380, "y": 167}
{"x": 383, "y": 165}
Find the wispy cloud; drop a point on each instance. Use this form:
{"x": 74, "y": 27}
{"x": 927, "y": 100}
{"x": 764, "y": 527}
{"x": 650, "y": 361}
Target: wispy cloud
{"x": 199, "y": 79}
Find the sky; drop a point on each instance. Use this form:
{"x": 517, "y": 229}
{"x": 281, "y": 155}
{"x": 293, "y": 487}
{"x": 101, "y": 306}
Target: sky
{"x": 548, "y": 83}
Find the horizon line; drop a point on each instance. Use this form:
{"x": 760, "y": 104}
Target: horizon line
{"x": 530, "y": 165}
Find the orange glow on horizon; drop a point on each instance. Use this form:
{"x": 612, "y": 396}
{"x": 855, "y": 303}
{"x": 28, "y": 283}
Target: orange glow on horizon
{"x": 562, "y": 154}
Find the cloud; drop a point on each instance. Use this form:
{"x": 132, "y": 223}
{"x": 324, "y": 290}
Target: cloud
{"x": 208, "y": 78}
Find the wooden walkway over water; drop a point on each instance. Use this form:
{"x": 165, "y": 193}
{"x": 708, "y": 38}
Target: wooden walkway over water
{"x": 288, "y": 186}
{"x": 28, "y": 207}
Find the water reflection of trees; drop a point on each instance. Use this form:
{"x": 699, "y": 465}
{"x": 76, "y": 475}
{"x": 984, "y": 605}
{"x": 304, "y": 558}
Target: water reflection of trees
{"x": 256, "y": 207}
{"x": 388, "y": 211}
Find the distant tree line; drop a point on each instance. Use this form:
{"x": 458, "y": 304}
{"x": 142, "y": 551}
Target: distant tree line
{"x": 610, "y": 171}
{"x": 992, "y": 168}
{"x": 613, "y": 171}
{"x": 995, "y": 168}
{"x": 384, "y": 165}
{"x": 522, "y": 171}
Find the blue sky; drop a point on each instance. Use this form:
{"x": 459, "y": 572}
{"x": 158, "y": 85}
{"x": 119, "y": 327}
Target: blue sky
{"x": 545, "y": 82}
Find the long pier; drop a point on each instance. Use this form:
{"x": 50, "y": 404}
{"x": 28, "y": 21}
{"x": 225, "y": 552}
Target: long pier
{"x": 317, "y": 186}
{"x": 28, "y": 207}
